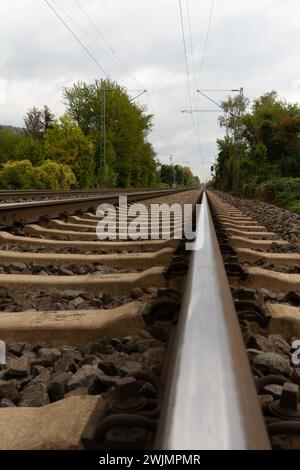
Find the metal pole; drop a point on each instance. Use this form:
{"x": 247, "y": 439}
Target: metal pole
{"x": 173, "y": 168}
{"x": 238, "y": 135}
{"x": 104, "y": 127}
{"x": 103, "y": 131}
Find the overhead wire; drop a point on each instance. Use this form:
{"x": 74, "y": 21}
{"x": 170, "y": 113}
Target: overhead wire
{"x": 206, "y": 41}
{"x": 185, "y": 55}
{"x": 204, "y": 53}
{"x": 77, "y": 39}
{"x": 121, "y": 62}
{"x": 115, "y": 56}
{"x": 140, "y": 92}
{"x": 64, "y": 12}
{"x": 191, "y": 46}
{"x": 194, "y": 71}
{"x": 188, "y": 75}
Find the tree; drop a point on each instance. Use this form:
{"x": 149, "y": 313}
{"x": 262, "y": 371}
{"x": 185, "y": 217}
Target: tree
{"x": 182, "y": 176}
{"x": 197, "y": 181}
{"x": 188, "y": 177}
{"x": 30, "y": 149}
{"x": 9, "y": 142}
{"x": 34, "y": 125}
{"x": 167, "y": 174}
{"x": 260, "y": 152}
{"x": 37, "y": 121}
{"x": 233, "y": 121}
{"x": 66, "y": 144}
{"x": 129, "y": 155}
{"x": 48, "y": 118}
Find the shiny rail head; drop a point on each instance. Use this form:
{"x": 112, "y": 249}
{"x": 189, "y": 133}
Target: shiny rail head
{"x": 210, "y": 400}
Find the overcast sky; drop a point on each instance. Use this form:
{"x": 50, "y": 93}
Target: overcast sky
{"x": 251, "y": 43}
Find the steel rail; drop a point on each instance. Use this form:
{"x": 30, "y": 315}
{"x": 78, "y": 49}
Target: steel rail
{"x": 210, "y": 402}
{"x": 19, "y": 193}
{"x": 31, "y": 211}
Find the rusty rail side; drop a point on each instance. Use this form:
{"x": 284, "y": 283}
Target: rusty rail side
{"x": 210, "y": 400}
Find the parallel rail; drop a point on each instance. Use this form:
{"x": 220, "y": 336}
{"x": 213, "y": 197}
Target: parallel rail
{"x": 40, "y": 194}
{"x": 31, "y": 211}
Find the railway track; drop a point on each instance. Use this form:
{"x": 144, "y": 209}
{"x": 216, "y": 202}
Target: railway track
{"x": 80, "y": 319}
{"x": 143, "y": 344}
{"x": 34, "y": 204}
{"x": 7, "y": 196}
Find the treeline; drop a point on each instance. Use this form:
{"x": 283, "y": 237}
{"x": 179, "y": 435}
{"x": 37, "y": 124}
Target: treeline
{"x": 259, "y": 157}
{"x": 178, "y": 175}
{"x": 75, "y": 151}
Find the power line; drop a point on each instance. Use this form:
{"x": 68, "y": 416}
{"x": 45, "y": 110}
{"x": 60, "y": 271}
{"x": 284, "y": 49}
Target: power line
{"x": 206, "y": 40}
{"x": 188, "y": 73}
{"x": 164, "y": 141}
{"x": 77, "y": 39}
{"x": 140, "y": 92}
{"x": 204, "y": 57}
{"x": 185, "y": 55}
{"x": 191, "y": 45}
{"x": 81, "y": 29}
{"x": 116, "y": 57}
{"x": 194, "y": 69}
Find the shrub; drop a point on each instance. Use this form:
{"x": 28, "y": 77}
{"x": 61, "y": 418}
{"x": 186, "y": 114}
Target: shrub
{"x": 284, "y": 192}
{"x": 23, "y": 175}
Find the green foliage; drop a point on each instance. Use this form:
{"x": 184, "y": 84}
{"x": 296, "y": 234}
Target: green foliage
{"x": 284, "y": 192}
{"x": 9, "y": 142}
{"x": 53, "y": 175}
{"x": 14, "y": 129}
{"x": 197, "y": 181}
{"x": 260, "y": 153}
{"x": 130, "y": 158}
{"x": 30, "y": 149}
{"x": 65, "y": 143}
{"x": 181, "y": 176}
{"x": 167, "y": 176}
{"x": 69, "y": 152}
{"x": 188, "y": 177}
{"x": 16, "y": 146}
{"x": 23, "y": 175}
{"x": 17, "y": 175}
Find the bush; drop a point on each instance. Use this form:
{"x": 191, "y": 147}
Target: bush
{"x": 53, "y": 175}
{"x": 23, "y": 175}
{"x": 284, "y": 192}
